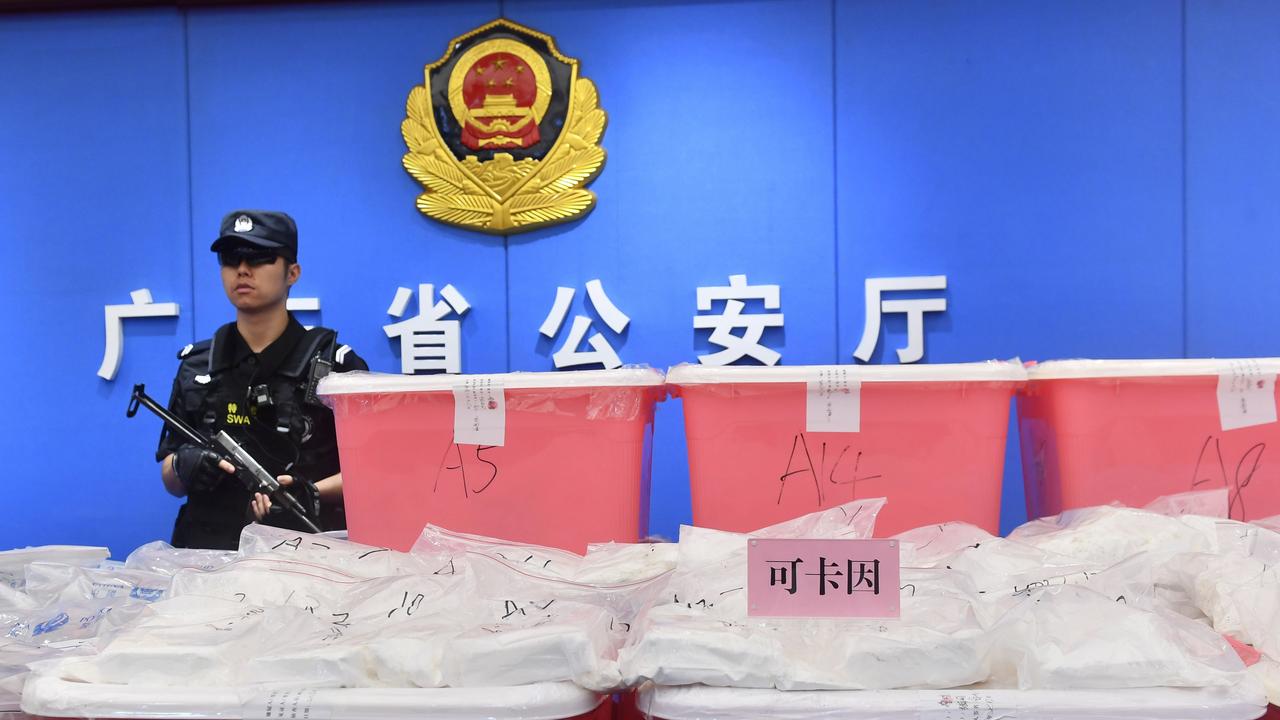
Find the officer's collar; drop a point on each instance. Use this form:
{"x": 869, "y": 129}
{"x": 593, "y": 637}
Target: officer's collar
{"x": 230, "y": 349}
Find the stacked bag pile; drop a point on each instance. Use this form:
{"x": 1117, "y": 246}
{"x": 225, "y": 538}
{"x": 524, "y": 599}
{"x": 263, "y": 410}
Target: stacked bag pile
{"x": 1103, "y": 599}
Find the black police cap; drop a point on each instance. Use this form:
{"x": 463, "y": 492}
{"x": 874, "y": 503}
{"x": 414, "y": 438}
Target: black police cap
{"x": 258, "y": 228}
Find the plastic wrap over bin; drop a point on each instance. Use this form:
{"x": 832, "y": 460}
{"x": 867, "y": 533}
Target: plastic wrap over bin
{"x": 572, "y": 467}
{"x": 695, "y": 702}
{"x": 930, "y": 438}
{"x": 1100, "y": 431}
{"x": 48, "y": 696}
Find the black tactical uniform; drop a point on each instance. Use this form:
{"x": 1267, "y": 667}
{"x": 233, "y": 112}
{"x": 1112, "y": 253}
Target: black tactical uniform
{"x": 266, "y": 401}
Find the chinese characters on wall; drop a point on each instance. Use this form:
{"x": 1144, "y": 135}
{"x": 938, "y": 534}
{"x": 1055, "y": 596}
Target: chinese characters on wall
{"x": 431, "y": 340}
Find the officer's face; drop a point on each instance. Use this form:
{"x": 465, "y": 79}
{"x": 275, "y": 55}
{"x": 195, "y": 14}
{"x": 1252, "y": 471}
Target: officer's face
{"x": 253, "y": 288}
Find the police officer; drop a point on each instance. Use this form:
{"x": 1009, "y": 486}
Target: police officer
{"x": 256, "y": 379}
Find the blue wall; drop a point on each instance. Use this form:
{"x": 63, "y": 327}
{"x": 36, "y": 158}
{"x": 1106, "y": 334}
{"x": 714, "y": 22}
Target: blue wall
{"x": 1095, "y": 179}
{"x": 93, "y": 204}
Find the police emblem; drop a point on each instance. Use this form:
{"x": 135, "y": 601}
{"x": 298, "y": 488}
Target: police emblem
{"x": 503, "y": 135}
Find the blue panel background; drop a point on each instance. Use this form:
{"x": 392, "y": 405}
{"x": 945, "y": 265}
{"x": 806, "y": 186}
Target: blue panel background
{"x": 707, "y": 107}
{"x": 93, "y": 204}
{"x": 1095, "y": 179}
{"x": 299, "y": 108}
{"x": 1031, "y": 152}
{"x": 1233, "y": 175}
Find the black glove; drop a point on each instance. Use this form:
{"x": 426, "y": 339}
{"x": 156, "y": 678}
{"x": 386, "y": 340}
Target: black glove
{"x": 197, "y": 468}
{"x": 307, "y": 495}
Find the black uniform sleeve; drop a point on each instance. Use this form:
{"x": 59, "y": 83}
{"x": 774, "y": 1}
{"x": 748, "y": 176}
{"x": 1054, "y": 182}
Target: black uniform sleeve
{"x": 169, "y": 439}
{"x": 349, "y": 361}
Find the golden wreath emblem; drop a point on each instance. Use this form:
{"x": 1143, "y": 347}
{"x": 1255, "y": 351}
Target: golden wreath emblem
{"x": 503, "y": 134}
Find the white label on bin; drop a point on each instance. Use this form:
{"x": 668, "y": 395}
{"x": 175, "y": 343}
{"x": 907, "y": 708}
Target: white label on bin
{"x": 834, "y": 403}
{"x": 479, "y": 413}
{"x": 1246, "y": 396}
{"x": 286, "y": 704}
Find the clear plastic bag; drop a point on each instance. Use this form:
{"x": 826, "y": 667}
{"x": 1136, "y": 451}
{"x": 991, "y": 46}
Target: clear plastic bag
{"x": 580, "y": 624}
{"x": 368, "y": 605}
{"x": 551, "y": 614}
{"x": 700, "y": 632}
{"x": 535, "y": 560}
{"x": 163, "y": 558}
{"x": 926, "y": 546}
{"x": 1271, "y": 523}
{"x": 1207, "y": 503}
{"x": 1071, "y": 637}
{"x": 1240, "y": 595}
{"x": 1105, "y": 535}
{"x": 711, "y": 564}
{"x": 532, "y": 643}
{"x": 938, "y": 642}
{"x": 366, "y": 561}
{"x": 620, "y": 563}
{"x": 63, "y": 623}
{"x": 13, "y": 563}
{"x": 1267, "y": 672}
{"x": 193, "y": 641}
{"x": 52, "y": 582}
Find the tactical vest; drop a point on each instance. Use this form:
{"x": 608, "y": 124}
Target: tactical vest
{"x": 282, "y": 432}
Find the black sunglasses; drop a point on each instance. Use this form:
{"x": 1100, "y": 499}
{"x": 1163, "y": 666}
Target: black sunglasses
{"x": 255, "y": 257}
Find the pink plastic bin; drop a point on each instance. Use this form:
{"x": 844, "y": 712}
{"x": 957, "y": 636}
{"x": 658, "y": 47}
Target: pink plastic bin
{"x": 931, "y": 439}
{"x": 574, "y": 467}
{"x": 1098, "y": 431}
